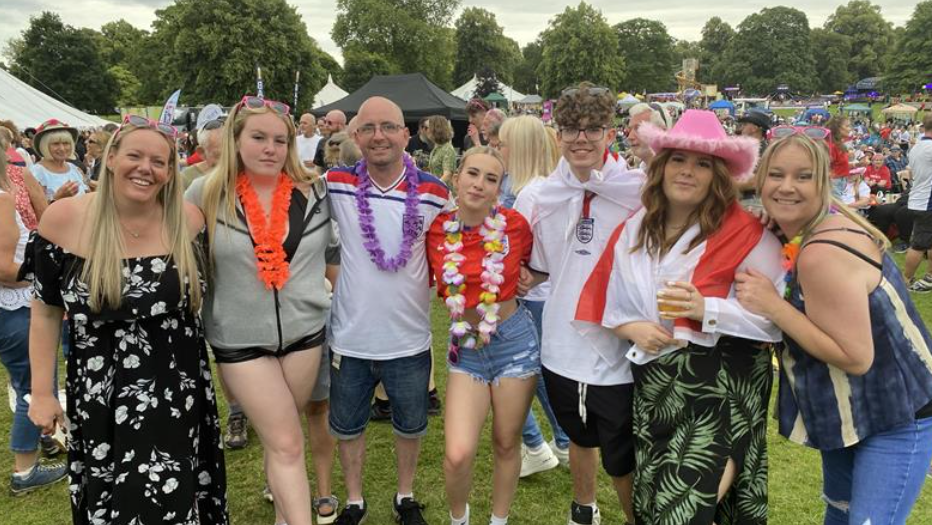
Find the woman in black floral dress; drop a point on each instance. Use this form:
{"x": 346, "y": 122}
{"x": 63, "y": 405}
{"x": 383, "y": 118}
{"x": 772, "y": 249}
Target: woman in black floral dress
{"x": 123, "y": 264}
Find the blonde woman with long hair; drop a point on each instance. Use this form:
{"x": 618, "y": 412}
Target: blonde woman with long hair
{"x": 854, "y": 377}
{"x": 269, "y": 231}
{"x": 531, "y": 153}
{"x": 123, "y": 263}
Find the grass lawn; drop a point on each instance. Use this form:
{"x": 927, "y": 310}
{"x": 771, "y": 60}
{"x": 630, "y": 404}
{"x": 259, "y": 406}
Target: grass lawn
{"x": 543, "y": 499}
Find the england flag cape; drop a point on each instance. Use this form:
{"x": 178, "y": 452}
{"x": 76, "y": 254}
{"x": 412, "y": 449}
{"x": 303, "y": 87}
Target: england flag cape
{"x": 623, "y": 286}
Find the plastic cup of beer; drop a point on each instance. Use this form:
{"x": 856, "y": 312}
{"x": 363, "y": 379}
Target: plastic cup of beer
{"x": 663, "y": 280}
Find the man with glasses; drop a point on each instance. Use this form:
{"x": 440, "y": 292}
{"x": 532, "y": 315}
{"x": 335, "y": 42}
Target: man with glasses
{"x": 208, "y": 144}
{"x": 334, "y": 122}
{"x": 380, "y": 314}
{"x": 573, "y": 214}
{"x": 308, "y": 139}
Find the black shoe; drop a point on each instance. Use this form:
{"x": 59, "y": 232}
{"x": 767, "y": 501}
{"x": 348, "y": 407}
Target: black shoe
{"x": 353, "y": 515}
{"x": 433, "y": 403}
{"x": 408, "y": 512}
{"x": 381, "y": 411}
{"x": 584, "y": 515}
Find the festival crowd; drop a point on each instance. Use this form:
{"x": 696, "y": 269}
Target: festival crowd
{"x": 640, "y": 280}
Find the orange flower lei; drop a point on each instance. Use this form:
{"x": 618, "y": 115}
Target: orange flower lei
{"x": 270, "y": 254}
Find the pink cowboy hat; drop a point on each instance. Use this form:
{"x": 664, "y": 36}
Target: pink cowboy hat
{"x": 700, "y": 131}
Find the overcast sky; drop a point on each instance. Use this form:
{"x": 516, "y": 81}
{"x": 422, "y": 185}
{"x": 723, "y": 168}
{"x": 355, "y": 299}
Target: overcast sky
{"x": 522, "y": 19}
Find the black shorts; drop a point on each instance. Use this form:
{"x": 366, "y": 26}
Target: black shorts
{"x": 608, "y": 419}
{"x": 239, "y": 355}
{"x": 921, "y": 239}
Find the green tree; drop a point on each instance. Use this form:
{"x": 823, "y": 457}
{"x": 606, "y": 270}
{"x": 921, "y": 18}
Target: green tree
{"x": 716, "y": 37}
{"x": 832, "y": 60}
{"x": 359, "y": 65}
{"x": 211, "y": 48}
{"x": 480, "y": 43}
{"x": 772, "y": 47}
{"x": 911, "y": 62}
{"x": 526, "y": 79}
{"x": 409, "y": 35}
{"x": 579, "y": 45}
{"x": 649, "y": 57}
{"x": 120, "y": 43}
{"x": 871, "y": 36}
{"x": 64, "y": 63}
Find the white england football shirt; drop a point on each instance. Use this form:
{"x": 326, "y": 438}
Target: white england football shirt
{"x": 376, "y": 314}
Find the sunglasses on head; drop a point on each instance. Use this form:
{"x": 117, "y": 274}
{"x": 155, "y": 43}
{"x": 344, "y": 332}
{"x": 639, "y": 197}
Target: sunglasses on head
{"x": 813, "y": 132}
{"x": 142, "y": 122}
{"x": 213, "y": 124}
{"x": 594, "y": 91}
{"x": 254, "y": 102}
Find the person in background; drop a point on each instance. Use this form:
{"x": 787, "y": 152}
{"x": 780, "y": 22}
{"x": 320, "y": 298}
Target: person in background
{"x": 28, "y": 473}
{"x": 308, "y": 139}
{"x": 208, "y": 143}
{"x": 530, "y": 155}
{"x": 877, "y": 175}
{"x": 93, "y": 159}
{"x": 421, "y": 142}
{"x": 491, "y": 124}
{"x": 896, "y": 162}
{"x": 349, "y": 153}
{"x": 17, "y": 152}
{"x": 332, "y": 149}
{"x": 28, "y": 195}
{"x": 640, "y": 113}
{"x": 752, "y": 124}
{"x": 442, "y": 161}
{"x": 840, "y": 128}
{"x": 60, "y": 178}
{"x": 475, "y": 113}
{"x": 334, "y": 122}
{"x": 855, "y": 381}
{"x": 920, "y": 205}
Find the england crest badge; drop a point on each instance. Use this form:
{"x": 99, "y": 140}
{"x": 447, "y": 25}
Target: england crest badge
{"x": 585, "y": 229}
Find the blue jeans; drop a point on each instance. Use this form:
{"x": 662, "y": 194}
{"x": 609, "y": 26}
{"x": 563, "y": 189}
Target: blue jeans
{"x": 531, "y": 434}
{"x": 353, "y": 381}
{"x": 878, "y": 480}
{"x": 513, "y": 352}
{"x": 14, "y": 353}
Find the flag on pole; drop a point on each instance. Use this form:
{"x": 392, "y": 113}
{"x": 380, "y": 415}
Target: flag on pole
{"x": 168, "y": 110}
{"x": 297, "y": 80}
{"x": 260, "y": 92}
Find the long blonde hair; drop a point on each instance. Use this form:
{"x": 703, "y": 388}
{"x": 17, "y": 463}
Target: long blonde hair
{"x": 530, "y": 150}
{"x": 220, "y": 184}
{"x": 821, "y": 174}
{"x": 105, "y": 261}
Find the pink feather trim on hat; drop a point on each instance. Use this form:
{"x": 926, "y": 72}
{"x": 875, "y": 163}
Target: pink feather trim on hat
{"x": 700, "y": 131}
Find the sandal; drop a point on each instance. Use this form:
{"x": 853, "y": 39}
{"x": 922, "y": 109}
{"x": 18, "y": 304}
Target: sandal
{"x": 326, "y": 501}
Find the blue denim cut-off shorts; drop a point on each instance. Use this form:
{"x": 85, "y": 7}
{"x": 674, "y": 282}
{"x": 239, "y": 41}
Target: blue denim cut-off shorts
{"x": 514, "y": 351}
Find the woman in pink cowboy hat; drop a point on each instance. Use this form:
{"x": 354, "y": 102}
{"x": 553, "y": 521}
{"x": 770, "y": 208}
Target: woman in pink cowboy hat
{"x": 702, "y": 376}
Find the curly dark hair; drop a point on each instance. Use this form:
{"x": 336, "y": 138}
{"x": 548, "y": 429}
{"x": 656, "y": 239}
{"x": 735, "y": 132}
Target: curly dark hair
{"x": 595, "y": 105}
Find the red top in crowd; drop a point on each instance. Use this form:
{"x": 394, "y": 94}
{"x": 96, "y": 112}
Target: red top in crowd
{"x": 839, "y": 159}
{"x": 518, "y": 241}
{"x": 874, "y": 176}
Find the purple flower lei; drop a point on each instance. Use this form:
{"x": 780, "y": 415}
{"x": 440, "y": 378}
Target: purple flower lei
{"x": 367, "y": 221}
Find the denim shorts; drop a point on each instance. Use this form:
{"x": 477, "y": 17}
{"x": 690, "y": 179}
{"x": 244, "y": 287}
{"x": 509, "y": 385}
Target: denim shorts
{"x": 514, "y": 351}
{"x": 353, "y": 381}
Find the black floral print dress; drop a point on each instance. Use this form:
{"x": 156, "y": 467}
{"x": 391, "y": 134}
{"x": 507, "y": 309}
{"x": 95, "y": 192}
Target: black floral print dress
{"x": 144, "y": 443}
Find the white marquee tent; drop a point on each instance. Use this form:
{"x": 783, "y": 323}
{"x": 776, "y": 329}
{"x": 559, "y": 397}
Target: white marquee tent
{"x": 28, "y": 107}
{"x": 328, "y": 94}
{"x": 466, "y": 91}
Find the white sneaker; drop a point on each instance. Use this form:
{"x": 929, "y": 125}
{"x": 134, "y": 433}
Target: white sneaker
{"x": 562, "y": 454}
{"x": 539, "y": 461}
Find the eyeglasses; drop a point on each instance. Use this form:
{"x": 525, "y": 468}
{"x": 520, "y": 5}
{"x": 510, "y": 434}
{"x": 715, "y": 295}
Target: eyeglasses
{"x": 93, "y": 142}
{"x": 143, "y": 122}
{"x": 813, "y": 132}
{"x": 570, "y": 133}
{"x": 594, "y": 91}
{"x": 387, "y": 128}
{"x": 253, "y": 102}
{"x": 334, "y": 143}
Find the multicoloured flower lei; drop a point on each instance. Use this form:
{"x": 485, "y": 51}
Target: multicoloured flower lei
{"x": 463, "y": 335}
{"x": 270, "y": 254}
{"x": 410, "y": 227}
{"x": 790, "y": 252}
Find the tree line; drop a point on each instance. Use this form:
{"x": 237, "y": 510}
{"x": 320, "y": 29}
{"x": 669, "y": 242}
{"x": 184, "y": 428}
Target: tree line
{"x": 211, "y": 49}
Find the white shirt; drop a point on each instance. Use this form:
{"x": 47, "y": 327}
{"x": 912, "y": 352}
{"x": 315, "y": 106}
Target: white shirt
{"x": 16, "y": 298}
{"x": 542, "y": 291}
{"x": 849, "y": 197}
{"x": 920, "y": 164}
{"x": 307, "y": 146}
{"x": 567, "y": 247}
{"x": 381, "y": 315}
